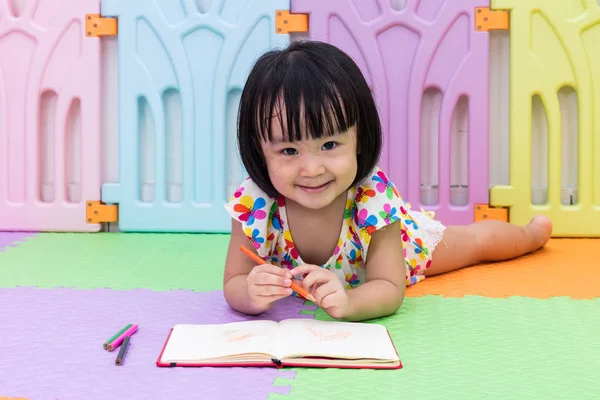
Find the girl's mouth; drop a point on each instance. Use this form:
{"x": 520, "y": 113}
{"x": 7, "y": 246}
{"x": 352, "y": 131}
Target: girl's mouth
{"x": 315, "y": 189}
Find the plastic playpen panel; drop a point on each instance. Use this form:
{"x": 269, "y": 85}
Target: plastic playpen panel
{"x": 554, "y": 45}
{"x": 181, "y": 71}
{"x": 49, "y": 115}
{"x": 426, "y": 46}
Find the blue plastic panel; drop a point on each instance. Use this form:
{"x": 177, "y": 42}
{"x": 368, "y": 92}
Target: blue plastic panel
{"x": 182, "y": 66}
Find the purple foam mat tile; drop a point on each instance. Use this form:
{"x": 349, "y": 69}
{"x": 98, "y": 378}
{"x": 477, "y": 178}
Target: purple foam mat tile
{"x": 52, "y": 345}
{"x": 12, "y": 239}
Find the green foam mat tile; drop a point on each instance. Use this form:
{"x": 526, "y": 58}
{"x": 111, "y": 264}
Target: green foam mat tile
{"x": 118, "y": 261}
{"x": 476, "y": 348}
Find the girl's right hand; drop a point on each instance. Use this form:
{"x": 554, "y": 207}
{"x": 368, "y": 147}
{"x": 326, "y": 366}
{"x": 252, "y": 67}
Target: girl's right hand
{"x": 268, "y": 283}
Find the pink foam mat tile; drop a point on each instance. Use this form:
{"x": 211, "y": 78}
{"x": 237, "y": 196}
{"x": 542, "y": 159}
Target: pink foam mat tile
{"x": 13, "y": 239}
{"x": 52, "y": 345}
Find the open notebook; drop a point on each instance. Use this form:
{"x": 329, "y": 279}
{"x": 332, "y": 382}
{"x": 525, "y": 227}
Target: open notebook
{"x": 292, "y": 342}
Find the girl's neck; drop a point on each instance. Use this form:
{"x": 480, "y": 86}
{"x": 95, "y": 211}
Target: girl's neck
{"x": 315, "y": 233}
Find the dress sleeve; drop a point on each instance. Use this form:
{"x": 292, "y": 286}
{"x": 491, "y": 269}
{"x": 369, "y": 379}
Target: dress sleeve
{"x": 258, "y": 214}
{"x": 378, "y": 203}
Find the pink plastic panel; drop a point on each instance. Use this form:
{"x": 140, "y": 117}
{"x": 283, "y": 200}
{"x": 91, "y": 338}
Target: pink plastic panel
{"x": 49, "y": 115}
{"x": 403, "y": 52}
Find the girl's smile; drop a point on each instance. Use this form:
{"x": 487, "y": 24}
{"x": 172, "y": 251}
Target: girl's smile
{"x": 315, "y": 188}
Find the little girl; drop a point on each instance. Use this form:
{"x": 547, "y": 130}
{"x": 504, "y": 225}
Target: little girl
{"x": 316, "y": 204}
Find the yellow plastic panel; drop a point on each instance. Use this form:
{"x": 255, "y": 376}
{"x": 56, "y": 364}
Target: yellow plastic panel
{"x": 554, "y": 44}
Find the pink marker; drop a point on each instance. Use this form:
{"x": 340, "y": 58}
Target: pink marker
{"x": 115, "y": 343}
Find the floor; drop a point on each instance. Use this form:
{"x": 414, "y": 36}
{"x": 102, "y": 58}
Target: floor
{"x": 526, "y": 329}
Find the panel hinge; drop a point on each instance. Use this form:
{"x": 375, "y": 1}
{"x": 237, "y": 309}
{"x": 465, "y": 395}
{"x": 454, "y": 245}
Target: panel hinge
{"x": 484, "y": 212}
{"x": 286, "y": 22}
{"x": 95, "y": 26}
{"x": 96, "y": 212}
{"x": 487, "y": 20}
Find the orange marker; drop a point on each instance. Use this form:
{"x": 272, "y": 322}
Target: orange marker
{"x": 295, "y": 287}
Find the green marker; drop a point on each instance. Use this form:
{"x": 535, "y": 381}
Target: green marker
{"x": 116, "y": 335}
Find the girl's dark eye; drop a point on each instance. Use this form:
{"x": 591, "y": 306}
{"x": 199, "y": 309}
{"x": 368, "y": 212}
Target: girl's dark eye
{"x": 329, "y": 145}
{"x": 289, "y": 152}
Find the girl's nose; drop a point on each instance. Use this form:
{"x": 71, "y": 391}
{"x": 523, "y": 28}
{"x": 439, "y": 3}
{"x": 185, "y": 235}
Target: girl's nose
{"x": 312, "y": 166}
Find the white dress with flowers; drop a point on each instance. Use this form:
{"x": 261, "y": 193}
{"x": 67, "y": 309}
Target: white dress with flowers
{"x": 371, "y": 204}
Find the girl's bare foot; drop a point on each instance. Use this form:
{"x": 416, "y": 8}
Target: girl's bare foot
{"x": 540, "y": 229}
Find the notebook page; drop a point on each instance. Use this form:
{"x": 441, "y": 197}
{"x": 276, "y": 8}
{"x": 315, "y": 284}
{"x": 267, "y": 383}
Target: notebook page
{"x": 197, "y": 342}
{"x": 336, "y": 339}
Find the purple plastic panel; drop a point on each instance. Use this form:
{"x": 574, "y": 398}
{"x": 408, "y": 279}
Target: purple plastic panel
{"x": 426, "y": 44}
{"x": 52, "y": 345}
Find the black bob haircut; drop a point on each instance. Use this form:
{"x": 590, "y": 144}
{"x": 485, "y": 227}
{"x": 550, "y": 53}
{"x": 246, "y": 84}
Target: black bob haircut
{"x": 323, "y": 92}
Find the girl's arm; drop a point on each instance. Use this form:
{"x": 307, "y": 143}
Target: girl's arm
{"x": 383, "y": 292}
{"x": 248, "y": 288}
{"x": 237, "y": 268}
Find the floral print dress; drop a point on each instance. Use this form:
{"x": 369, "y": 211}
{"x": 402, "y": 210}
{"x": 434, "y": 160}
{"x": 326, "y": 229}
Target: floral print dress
{"x": 371, "y": 204}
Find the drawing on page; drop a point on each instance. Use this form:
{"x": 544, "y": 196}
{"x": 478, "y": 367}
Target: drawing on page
{"x": 324, "y": 336}
{"x": 238, "y": 335}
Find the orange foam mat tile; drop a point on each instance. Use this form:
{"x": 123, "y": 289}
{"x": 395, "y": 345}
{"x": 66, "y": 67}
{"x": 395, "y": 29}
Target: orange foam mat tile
{"x": 564, "y": 267}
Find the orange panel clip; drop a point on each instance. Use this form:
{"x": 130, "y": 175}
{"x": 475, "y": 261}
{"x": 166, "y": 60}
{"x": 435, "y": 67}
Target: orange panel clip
{"x": 96, "y": 212}
{"x": 484, "y": 212}
{"x": 487, "y": 20}
{"x": 286, "y": 22}
{"x": 95, "y": 26}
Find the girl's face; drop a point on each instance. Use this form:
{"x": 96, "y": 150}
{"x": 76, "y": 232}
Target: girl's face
{"x": 311, "y": 172}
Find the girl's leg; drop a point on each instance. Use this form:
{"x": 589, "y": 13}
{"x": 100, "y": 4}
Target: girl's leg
{"x": 487, "y": 241}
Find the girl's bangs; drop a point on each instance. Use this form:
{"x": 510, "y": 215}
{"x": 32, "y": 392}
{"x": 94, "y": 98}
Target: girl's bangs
{"x": 311, "y": 109}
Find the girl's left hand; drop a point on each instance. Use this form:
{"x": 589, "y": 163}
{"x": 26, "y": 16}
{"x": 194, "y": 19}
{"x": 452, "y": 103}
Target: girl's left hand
{"x": 325, "y": 287}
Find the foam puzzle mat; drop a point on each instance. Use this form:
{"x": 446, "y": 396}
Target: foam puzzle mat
{"x": 55, "y": 337}
{"x": 564, "y": 267}
{"x": 458, "y": 335}
{"x": 477, "y": 348}
{"x": 13, "y": 239}
{"x": 117, "y": 261}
